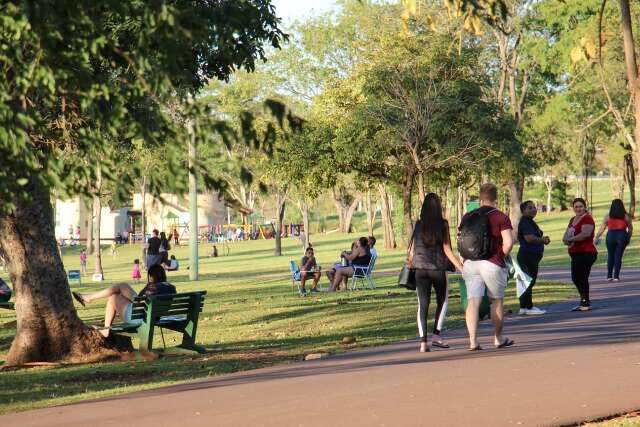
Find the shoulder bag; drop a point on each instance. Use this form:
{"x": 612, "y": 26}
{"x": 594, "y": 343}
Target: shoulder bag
{"x": 407, "y": 278}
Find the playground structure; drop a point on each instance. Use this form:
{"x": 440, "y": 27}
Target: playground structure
{"x": 238, "y": 232}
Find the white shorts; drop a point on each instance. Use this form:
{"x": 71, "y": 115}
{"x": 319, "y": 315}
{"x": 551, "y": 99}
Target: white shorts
{"x": 481, "y": 275}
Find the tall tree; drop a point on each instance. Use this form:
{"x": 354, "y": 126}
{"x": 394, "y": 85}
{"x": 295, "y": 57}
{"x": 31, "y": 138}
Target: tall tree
{"x": 59, "y": 97}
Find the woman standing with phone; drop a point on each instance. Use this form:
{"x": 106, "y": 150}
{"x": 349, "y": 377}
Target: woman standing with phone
{"x": 430, "y": 248}
{"x": 583, "y": 253}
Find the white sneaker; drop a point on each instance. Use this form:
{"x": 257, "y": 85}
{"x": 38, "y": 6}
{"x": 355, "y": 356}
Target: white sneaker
{"x": 535, "y": 311}
{"x": 523, "y": 312}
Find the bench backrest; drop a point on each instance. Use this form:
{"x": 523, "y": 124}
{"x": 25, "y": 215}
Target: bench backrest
{"x": 151, "y": 309}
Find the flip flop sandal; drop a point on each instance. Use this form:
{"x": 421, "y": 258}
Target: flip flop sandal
{"x": 506, "y": 343}
{"x": 78, "y": 298}
{"x": 476, "y": 348}
{"x": 439, "y": 344}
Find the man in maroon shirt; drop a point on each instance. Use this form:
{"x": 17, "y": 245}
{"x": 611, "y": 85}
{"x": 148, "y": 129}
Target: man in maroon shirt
{"x": 489, "y": 274}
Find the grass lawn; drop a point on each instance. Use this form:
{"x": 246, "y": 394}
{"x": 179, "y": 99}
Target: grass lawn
{"x": 252, "y": 318}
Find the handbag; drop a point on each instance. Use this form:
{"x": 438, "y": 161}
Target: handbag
{"x": 407, "y": 278}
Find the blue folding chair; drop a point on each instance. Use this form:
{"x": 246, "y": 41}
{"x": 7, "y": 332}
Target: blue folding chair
{"x": 362, "y": 273}
{"x": 295, "y": 275}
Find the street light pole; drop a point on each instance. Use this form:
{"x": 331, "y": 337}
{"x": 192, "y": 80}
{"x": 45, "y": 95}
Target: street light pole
{"x": 193, "y": 206}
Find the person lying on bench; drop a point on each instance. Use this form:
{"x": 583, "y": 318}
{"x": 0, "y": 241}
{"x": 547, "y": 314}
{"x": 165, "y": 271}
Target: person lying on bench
{"x": 120, "y": 297}
{"x": 172, "y": 265}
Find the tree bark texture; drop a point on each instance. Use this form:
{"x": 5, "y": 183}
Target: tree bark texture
{"x": 48, "y": 327}
{"x": 346, "y": 205}
{"x": 630, "y": 178}
{"x": 371, "y": 213}
{"x": 548, "y": 182}
{"x": 97, "y": 206}
{"x": 388, "y": 233}
{"x": 305, "y": 224}
{"x": 420, "y": 183}
{"x": 407, "y": 193}
{"x": 459, "y": 205}
{"x": 281, "y": 204}
{"x": 90, "y": 228}
{"x": 632, "y": 73}
{"x": 516, "y": 191}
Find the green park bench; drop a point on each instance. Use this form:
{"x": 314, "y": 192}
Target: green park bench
{"x": 7, "y": 305}
{"x": 176, "y": 312}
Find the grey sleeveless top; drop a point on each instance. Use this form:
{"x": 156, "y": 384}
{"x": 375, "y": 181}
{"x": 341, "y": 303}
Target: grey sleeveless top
{"x": 427, "y": 257}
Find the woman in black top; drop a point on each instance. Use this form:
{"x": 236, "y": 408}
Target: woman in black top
{"x": 359, "y": 255}
{"x": 120, "y": 296}
{"x": 532, "y": 242}
{"x": 430, "y": 248}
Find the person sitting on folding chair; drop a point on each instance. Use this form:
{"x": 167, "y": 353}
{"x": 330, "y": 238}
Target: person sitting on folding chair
{"x": 309, "y": 269}
{"x": 360, "y": 255}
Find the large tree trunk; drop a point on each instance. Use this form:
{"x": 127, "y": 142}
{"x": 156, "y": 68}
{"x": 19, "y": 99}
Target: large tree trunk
{"x": 446, "y": 204}
{"x": 48, "y": 327}
{"x": 348, "y": 216}
{"x": 460, "y": 205}
{"x": 548, "y": 182}
{"x": 630, "y": 178}
{"x": 281, "y": 204}
{"x": 387, "y": 218}
{"x": 305, "y": 224}
{"x": 371, "y": 213}
{"x": 516, "y": 191}
{"x": 420, "y": 183}
{"x": 345, "y": 205}
{"x": 632, "y": 72}
{"x": 407, "y": 190}
{"x": 97, "y": 206}
{"x": 90, "y": 228}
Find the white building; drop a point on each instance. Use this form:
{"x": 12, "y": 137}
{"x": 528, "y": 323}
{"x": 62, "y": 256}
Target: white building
{"x": 165, "y": 215}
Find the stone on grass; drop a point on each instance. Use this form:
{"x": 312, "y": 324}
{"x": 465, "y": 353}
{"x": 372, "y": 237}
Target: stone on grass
{"x": 316, "y": 356}
{"x": 348, "y": 340}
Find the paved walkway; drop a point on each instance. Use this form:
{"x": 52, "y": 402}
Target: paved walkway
{"x": 564, "y": 368}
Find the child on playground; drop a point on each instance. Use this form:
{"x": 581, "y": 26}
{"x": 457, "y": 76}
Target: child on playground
{"x": 83, "y": 262}
{"x": 135, "y": 273}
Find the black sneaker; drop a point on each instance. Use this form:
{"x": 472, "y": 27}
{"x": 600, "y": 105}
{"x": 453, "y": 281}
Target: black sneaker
{"x": 314, "y": 290}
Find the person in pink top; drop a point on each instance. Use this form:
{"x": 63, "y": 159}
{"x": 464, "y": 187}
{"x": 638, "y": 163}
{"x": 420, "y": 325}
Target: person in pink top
{"x": 579, "y": 238}
{"x": 135, "y": 273}
{"x": 620, "y": 227}
{"x": 83, "y": 262}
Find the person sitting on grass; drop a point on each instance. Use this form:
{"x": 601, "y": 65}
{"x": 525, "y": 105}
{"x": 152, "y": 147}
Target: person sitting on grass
{"x": 120, "y": 297}
{"x": 360, "y": 255}
{"x": 309, "y": 269}
{"x": 172, "y": 264}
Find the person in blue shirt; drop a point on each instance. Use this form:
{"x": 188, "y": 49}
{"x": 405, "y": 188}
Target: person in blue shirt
{"x": 309, "y": 269}
{"x": 532, "y": 243}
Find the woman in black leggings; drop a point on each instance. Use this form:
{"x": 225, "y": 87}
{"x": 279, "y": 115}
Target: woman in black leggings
{"x": 579, "y": 239}
{"x": 429, "y": 250}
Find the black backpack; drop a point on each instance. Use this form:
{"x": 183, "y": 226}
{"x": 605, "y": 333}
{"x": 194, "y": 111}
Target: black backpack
{"x": 474, "y": 238}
